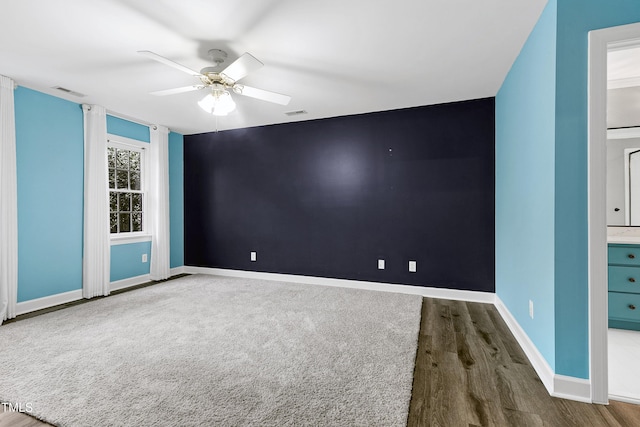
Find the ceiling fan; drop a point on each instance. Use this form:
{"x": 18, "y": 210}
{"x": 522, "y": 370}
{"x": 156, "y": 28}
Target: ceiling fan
{"x": 219, "y": 101}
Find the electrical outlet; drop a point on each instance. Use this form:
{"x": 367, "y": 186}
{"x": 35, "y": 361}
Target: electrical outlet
{"x": 412, "y": 267}
{"x": 531, "y": 309}
{"x": 380, "y": 264}
{"x": 144, "y": 257}
{"x": 254, "y": 256}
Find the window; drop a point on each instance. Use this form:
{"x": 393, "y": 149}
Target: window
{"x": 126, "y": 188}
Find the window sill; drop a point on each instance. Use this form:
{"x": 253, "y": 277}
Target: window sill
{"x": 125, "y": 240}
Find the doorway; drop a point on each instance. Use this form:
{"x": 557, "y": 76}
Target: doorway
{"x": 600, "y": 43}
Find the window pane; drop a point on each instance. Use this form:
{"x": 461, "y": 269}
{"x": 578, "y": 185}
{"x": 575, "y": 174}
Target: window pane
{"x": 112, "y": 178}
{"x": 135, "y": 180}
{"x": 123, "y": 179}
{"x": 137, "y": 222}
{"x": 125, "y": 222}
{"x": 113, "y": 201}
{"x": 136, "y": 202}
{"x": 124, "y": 202}
{"x": 111, "y": 155}
{"x": 134, "y": 161}
{"x": 122, "y": 159}
{"x": 113, "y": 222}
{"x": 125, "y": 173}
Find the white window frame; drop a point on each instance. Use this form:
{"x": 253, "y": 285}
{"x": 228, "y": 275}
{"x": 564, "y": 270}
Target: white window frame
{"x": 117, "y": 141}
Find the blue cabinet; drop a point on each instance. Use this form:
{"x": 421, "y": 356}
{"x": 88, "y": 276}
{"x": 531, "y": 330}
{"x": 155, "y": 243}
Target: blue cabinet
{"x": 624, "y": 286}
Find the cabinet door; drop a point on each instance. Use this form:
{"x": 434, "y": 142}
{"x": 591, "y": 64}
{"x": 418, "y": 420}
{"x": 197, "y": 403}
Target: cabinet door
{"x": 624, "y": 279}
{"x": 624, "y": 254}
{"x": 624, "y": 306}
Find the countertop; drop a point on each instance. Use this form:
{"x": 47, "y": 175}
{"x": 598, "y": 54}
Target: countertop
{"x": 627, "y": 235}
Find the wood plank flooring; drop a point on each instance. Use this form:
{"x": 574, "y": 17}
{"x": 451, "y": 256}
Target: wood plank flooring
{"x": 470, "y": 371}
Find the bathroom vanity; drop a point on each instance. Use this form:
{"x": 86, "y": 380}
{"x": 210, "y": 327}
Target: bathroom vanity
{"x": 624, "y": 277}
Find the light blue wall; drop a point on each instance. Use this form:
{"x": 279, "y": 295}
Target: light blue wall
{"x": 176, "y": 197}
{"x": 50, "y": 163}
{"x": 569, "y": 333}
{"x": 525, "y": 159}
{"x": 128, "y": 129}
{"x": 575, "y": 19}
{"x": 126, "y": 260}
{"x": 49, "y": 150}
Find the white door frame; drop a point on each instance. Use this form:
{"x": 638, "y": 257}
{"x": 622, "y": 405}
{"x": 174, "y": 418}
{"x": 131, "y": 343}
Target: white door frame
{"x": 599, "y": 42}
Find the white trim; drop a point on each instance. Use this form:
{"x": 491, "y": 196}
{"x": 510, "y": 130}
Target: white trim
{"x": 622, "y": 83}
{"x": 127, "y": 238}
{"x": 597, "y": 222}
{"x": 129, "y": 282}
{"x": 451, "y": 294}
{"x": 126, "y": 143}
{"x": 561, "y": 386}
{"x": 46, "y": 302}
{"x": 65, "y": 297}
{"x": 557, "y": 385}
{"x": 572, "y": 388}
{"x": 599, "y": 43}
{"x": 623, "y": 133}
{"x": 624, "y": 399}
{"x": 141, "y": 147}
{"x": 176, "y": 271}
{"x": 538, "y": 361}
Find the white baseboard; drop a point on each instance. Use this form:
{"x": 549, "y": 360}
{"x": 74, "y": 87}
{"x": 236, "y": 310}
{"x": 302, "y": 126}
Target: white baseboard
{"x": 127, "y": 283}
{"x": 176, "y": 270}
{"x": 561, "y": 386}
{"x": 46, "y": 302}
{"x": 572, "y": 388}
{"x": 452, "y": 294}
{"x": 65, "y": 297}
{"x": 557, "y": 385}
{"x": 624, "y": 399}
{"x": 538, "y": 362}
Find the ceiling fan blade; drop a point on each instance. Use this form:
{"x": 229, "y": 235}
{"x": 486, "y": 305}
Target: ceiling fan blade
{"x": 177, "y": 90}
{"x": 264, "y": 95}
{"x": 169, "y": 62}
{"x": 241, "y": 67}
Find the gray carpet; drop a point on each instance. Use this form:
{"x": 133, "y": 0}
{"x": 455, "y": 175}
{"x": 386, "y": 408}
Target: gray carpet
{"x": 211, "y": 351}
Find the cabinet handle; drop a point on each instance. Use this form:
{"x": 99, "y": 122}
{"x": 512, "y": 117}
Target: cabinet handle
{"x": 632, "y": 280}
{"x": 632, "y": 307}
{"x": 631, "y": 256}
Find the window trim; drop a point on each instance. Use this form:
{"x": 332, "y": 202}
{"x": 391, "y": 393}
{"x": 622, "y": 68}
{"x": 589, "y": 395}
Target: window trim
{"x": 142, "y": 147}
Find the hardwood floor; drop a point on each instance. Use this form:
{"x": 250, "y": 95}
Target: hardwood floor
{"x": 470, "y": 371}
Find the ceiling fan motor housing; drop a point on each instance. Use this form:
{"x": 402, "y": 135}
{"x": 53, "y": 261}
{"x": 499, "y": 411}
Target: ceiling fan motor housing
{"x": 218, "y": 56}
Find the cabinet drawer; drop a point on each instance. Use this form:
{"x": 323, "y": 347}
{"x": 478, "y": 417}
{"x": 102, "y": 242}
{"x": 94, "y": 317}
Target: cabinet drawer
{"x": 624, "y": 306}
{"x": 624, "y": 279}
{"x": 624, "y": 254}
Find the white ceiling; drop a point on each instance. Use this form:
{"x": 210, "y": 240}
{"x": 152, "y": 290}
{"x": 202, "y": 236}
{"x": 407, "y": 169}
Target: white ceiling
{"x": 334, "y": 57}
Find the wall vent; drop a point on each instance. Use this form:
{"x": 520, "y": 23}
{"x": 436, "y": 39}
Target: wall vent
{"x": 295, "y": 113}
{"x": 69, "y": 91}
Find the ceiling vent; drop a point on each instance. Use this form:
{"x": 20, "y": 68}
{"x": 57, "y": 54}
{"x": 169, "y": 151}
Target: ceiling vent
{"x": 296, "y": 113}
{"x": 69, "y": 91}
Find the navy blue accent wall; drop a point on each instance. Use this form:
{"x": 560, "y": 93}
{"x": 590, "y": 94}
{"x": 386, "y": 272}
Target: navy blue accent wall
{"x": 330, "y": 197}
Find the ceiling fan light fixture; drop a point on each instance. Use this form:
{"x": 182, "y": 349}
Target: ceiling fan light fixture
{"x": 218, "y": 102}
